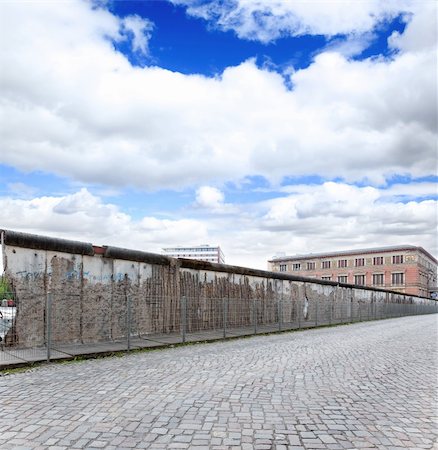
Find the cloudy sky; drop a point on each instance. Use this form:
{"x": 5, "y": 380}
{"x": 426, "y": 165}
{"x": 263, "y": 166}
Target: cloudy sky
{"x": 263, "y": 126}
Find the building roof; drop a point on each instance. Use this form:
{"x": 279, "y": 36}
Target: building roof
{"x": 393, "y": 248}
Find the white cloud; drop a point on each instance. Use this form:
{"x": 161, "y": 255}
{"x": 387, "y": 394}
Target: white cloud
{"x": 211, "y": 200}
{"x": 422, "y": 32}
{"x": 353, "y": 44}
{"x": 268, "y": 20}
{"x": 336, "y": 216}
{"x": 85, "y": 217}
{"x": 209, "y": 197}
{"x": 21, "y": 190}
{"x": 141, "y": 30}
{"x": 327, "y": 217}
{"x": 338, "y": 206}
{"x": 410, "y": 191}
{"x": 73, "y": 106}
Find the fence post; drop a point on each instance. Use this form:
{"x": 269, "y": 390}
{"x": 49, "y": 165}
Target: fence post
{"x": 225, "y": 315}
{"x": 128, "y": 323}
{"x": 183, "y": 318}
{"x": 254, "y": 313}
{"x": 48, "y": 324}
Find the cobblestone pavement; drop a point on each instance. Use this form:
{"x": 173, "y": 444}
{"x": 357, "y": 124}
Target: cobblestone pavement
{"x": 367, "y": 385}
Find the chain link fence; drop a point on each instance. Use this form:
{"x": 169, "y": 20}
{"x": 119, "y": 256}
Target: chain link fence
{"x": 58, "y": 325}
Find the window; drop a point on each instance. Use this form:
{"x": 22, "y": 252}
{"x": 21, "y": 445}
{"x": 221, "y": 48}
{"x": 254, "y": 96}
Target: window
{"x": 326, "y": 278}
{"x": 378, "y": 279}
{"x": 359, "y": 262}
{"x": 359, "y": 280}
{"x": 378, "y": 260}
{"x": 283, "y": 267}
{"x": 342, "y": 263}
{"x": 310, "y": 266}
{"x": 326, "y": 264}
{"x": 397, "y": 259}
{"x": 398, "y": 278}
{"x": 342, "y": 279}
{"x": 296, "y": 266}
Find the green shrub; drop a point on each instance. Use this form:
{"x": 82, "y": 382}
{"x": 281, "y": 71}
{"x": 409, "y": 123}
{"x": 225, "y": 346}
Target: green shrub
{"x": 5, "y": 289}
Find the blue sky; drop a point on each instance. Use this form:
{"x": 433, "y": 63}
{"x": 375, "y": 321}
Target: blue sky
{"x": 187, "y": 45}
{"x": 190, "y": 45}
{"x": 263, "y": 127}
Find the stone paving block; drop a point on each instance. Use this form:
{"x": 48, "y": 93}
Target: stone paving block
{"x": 364, "y": 386}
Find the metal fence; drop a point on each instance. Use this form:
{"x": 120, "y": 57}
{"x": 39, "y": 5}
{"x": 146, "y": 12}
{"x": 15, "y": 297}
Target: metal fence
{"x": 57, "y": 326}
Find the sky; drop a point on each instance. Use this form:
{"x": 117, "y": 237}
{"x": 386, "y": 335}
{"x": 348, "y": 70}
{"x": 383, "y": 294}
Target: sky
{"x": 262, "y": 126}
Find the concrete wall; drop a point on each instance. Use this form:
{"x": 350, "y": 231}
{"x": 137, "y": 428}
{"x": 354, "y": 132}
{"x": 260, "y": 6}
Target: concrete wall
{"x": 90, "y": 287}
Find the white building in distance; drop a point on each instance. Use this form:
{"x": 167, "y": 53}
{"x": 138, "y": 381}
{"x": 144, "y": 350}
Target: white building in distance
{"x": 199, "y": 252}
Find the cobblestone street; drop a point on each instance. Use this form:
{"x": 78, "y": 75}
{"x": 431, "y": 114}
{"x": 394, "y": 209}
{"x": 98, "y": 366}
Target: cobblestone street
{"x": 367, "y": 385}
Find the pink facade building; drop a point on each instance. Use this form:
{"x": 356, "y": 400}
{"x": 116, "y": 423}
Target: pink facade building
{"x": 403, "y": 268}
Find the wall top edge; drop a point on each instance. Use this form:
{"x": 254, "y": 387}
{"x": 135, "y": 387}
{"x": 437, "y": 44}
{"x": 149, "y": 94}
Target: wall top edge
{"x": 37, "y": 242}
{"x": 138, "y": 256}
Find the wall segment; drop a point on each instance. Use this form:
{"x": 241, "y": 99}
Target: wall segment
{"x": 91, "y": 287}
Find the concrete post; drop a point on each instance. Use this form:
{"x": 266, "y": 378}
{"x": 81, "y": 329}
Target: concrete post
{"x": 48, "y": 324}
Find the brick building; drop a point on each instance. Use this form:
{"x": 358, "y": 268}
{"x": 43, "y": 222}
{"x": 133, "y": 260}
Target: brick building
{"x": 403, "y": 268}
